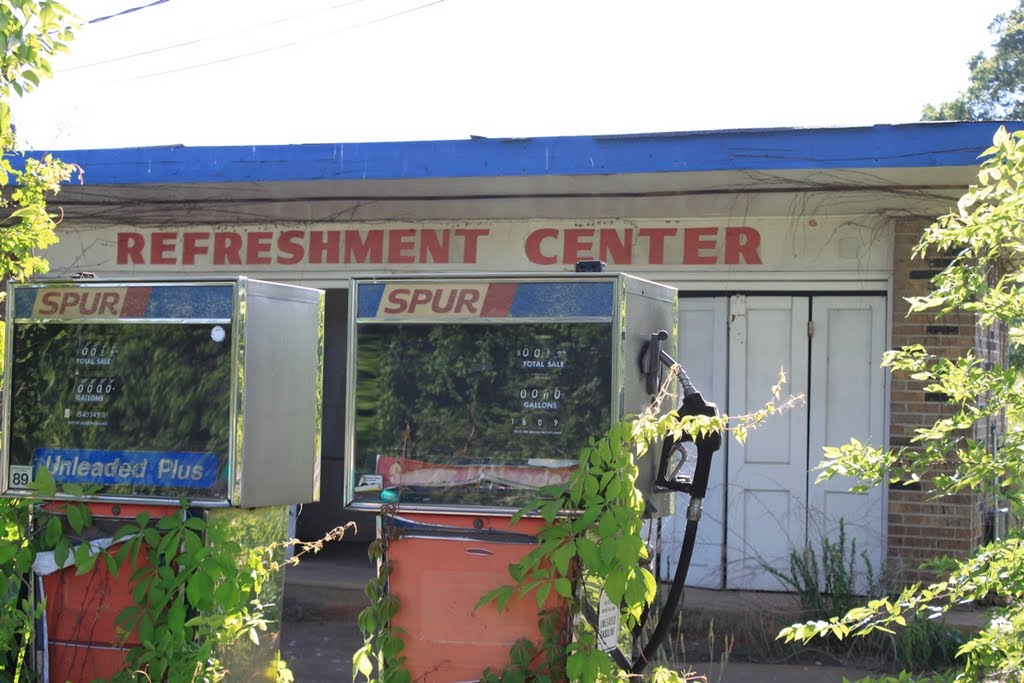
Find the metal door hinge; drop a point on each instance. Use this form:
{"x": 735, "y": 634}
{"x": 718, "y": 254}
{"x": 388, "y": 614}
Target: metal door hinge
{"x": 810, "y": 328}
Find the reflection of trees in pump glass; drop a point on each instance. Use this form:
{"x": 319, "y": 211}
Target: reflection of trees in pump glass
{"x": 474, "y": 394}
{"x": 135, "y": 388}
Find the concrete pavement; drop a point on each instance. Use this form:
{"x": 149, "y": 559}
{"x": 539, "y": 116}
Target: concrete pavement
{"x": 324, "y": 595}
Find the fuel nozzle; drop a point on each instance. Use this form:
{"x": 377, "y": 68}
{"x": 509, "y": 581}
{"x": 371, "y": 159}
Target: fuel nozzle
{"x": 686, "y": 463}
{"x": 689, "y": 457}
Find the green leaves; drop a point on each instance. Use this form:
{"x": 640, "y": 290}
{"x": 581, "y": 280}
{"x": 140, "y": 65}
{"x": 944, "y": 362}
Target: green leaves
{"x": 381, "y": 652}
{"x": 597, "y": 548}
{"x": 8, "y": 550}
{"x": 994, "y": 87}
{"x": 191, "y": 588}
{"x": 30, "y": 34}
{"x": 199, "y": 590}
{"x": 983, "y": 242}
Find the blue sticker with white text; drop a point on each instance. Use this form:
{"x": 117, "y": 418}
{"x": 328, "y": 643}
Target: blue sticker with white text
{"x": 128, "y": 468}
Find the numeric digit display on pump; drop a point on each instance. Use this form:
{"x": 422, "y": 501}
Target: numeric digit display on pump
{"x": 541, "y": 358}
{"x": 540, "y": 401}
{"x": 96, "y": 353}
{"x": 491, "y": 395}
{"x": 94, "y": 389}
{"x": 115, "y": 405}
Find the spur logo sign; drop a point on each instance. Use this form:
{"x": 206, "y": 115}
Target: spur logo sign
{"x": 465, "y": 299}
{"x": 91, "y": 302}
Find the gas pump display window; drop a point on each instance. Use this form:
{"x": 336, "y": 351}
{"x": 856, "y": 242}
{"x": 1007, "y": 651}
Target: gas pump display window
{"x": 476, "y": 414}
{"x": 140, "y": 409}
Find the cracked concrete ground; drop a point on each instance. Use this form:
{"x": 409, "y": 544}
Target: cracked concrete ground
{"x": 324, "y": 595}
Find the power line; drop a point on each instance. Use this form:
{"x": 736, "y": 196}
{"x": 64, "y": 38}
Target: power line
{"x": 287, "y": 45}
{"x": 398, "y": 14}
{"x": 203, "y": 39}
{"x": 136, "y": 54}
{"x": 127, "y": 11}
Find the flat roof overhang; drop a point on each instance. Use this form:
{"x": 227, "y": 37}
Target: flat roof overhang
{"x": 914, "y": 168}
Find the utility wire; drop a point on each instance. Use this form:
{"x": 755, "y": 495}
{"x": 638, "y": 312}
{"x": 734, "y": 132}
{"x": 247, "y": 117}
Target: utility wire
{"x": 286, "y": 45}
{"x": 398, "y": 14}
{"x": 127, "y": 11}
{"x": 136, "y": 54}
{"x": 207, "y": 38}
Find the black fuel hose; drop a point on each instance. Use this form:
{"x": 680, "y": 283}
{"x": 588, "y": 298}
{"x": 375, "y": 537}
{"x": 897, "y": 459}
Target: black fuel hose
{"x": 675, "y": 593}
{"x": 693, "y": 404}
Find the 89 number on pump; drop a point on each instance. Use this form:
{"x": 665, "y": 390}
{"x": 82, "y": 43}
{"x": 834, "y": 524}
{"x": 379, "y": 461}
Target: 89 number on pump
{"x": 21, "y": 476}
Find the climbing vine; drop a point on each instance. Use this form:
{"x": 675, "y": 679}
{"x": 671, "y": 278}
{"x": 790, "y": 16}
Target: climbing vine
{"x": 598, "y": 550}
{"x": 197, "y": 590}
{"x": 383, "y": 643}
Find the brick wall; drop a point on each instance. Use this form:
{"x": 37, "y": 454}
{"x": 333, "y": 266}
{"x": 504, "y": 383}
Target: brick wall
{"x": 921, "y": 527}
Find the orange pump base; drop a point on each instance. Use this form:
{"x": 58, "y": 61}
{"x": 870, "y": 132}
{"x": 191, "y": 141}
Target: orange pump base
{"x": 439, "y": 578}
{"x": 82, "y": 642}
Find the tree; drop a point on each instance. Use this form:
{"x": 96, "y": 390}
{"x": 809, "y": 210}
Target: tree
{"x": 31, "y": 33}
{"x": 984, "y": 240}
{"x": 996, "y": 89}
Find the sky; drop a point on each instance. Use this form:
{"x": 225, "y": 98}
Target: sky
{"x": 241, "y": 72}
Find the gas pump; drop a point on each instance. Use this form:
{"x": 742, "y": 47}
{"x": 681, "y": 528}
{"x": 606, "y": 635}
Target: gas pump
{"x": 147, "y": 394}
{"x": 466, "y": 394}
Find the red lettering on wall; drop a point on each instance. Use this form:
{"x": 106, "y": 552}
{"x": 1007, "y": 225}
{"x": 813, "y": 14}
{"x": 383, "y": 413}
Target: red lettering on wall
{"x": 533, "y": 246}
{"x": 193, "y": 248}
{"x": 656, "y": 246}
{"x": 257, "y": 248}
{"x": 227, "y": 249}
{"x": 129, "y": 248}
{"x": 364, "y": 250}
{"x": 289, "y": 244}
{"x": 742, "y": 242}
{"x": 324, "y": 246}
{"x": 576, "y": 246}
{"x": 435, "y": 246}
{"x": 415, "y": 246}
{"x": 699, "y": 246}
{"x": 470, "y": 237}
{"x": 611, "y": 248}
{"x": 401, "y": 246}
{"x": 161, "y": 248}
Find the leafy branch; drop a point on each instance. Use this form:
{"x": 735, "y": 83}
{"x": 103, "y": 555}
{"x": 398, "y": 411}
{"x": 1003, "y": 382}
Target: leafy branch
{"x": 984, "y": 241}
{"x": 196, "y": 590}
{"x": 599, "y": 548}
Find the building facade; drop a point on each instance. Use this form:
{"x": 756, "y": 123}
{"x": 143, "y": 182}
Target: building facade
{"x": 790, "y": 250}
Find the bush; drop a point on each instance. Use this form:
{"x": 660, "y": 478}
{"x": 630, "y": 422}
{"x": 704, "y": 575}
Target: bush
{"x": 830, "y": 588}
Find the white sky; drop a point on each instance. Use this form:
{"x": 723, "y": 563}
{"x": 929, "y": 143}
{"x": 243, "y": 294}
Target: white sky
{"x": 230, "y": 72}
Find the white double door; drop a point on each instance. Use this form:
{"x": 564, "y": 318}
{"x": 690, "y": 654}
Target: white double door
{"x": 763, "y": 502}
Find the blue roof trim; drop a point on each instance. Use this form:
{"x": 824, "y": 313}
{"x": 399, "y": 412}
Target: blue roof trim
{"x": 883, "y": 146}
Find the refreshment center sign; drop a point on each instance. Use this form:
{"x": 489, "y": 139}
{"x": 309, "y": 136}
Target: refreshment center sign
{"x": 318, "y": 250}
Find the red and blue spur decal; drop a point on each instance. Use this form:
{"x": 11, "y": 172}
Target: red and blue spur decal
{"x": 481, "y": 299}
{"x": 78, "y": 302}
